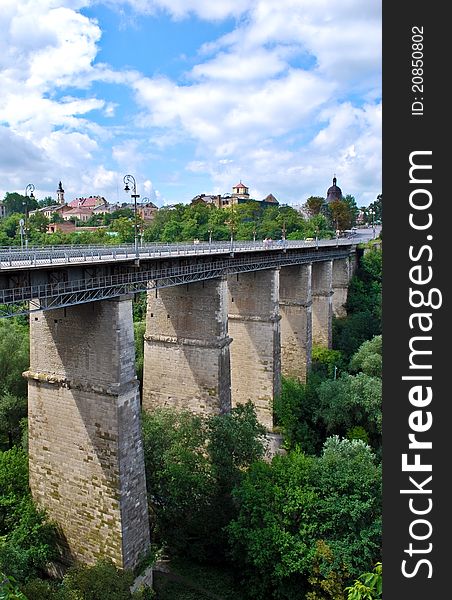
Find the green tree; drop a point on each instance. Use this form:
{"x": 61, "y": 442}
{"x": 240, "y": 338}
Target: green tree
{"x": 9, "y": 226}
{"x": 27, "y": 541}
{"x": 350, "y": 401}
{"x": 178, "y": 479}
{"x": 56, "y": 218}
{"x": 317, "y": 226}
{"x": 352, "y": 207}
{"x": 38, "y": 222}
{"x": 13, "y": 410}
{"x": 14, "y": 357}
{"x": 326, "y": 363}
{"x": 171, "y": 232}
{"x": 235, "y": 441}
{"x": 363, "y": 306}
{"x": 125, "y": 229}
{"x": 192, "y": 464}
{"x": 103, "y": 581}
{"x": 313, "y": 205}
{"x": 9, "y": 589}
{"x": 351, "y": 332}
{"x": 377, "y": 207}
{"x": 139, "y": 328}
{"x": 341, "y": 215}
{"x": 347, "y": 477}
{"x": 368, "y": 358}
{"x": 47, "y": 201}
{"x": 17, "y": 203}
{"x": 288, "y": 506}
{"x": 294, "y": 412}
{"x": 330, "y": 586}
{"x": 368, "y": 586}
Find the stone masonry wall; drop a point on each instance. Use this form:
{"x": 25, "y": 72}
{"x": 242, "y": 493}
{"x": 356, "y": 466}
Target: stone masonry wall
{"x": 295, "y": 304}
{"x": 254, "y": 325}
{"x": 322, "y": 303}
{"x": 85, "y": 448}
{"x": 341, "y": 277}
{"x": 186, "y": 351}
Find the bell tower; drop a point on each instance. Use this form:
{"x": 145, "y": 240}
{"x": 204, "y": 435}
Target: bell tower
{"x": 60, "y": 194}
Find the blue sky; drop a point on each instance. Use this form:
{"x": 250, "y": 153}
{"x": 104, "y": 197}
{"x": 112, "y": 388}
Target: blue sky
{"x": 191, "y": 96}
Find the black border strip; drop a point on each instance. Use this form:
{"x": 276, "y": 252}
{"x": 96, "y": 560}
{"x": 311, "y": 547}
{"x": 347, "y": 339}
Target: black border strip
{"x": 415, "y": 120}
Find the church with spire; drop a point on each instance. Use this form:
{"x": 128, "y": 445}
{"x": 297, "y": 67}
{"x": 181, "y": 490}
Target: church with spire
{"x": 334, "y": 192}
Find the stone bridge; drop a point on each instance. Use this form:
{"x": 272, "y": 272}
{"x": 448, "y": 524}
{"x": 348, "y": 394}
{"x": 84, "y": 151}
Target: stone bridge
{"x": 223, "y": 323}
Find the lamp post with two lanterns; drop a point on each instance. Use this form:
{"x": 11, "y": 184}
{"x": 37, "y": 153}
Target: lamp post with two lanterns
{"x": 130, "y": 179}
{"x": 28, "y": 194}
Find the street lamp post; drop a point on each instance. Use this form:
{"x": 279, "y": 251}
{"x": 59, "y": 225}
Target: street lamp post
{"x": 131, "y": 179}
{"x": 210, "y": 236}
{"x": 372, "y": 213}
{"x": 21, "y": 230}
{"x": 231, "y": 224}
{"x": 284, "y": 236}
{"x": 144, "y": 201}
{"x": 30, "y": 188}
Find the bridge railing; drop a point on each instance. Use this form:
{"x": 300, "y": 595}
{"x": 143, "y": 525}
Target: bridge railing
{"x": 139, "y": 280}
{"x": 47, "y": 255}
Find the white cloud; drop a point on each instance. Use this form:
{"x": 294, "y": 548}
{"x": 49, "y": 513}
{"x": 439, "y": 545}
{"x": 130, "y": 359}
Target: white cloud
{"x": 241, "y": 68}
{"x": 268, "y": 102}
{"x": 205, "y": 9}
{"x": 225, "y": 118}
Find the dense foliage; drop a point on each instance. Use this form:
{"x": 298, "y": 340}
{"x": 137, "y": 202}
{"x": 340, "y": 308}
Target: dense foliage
{"x": 26, "y": 539}
{"x": 192, "y": 466}
{"x": 363, "y": 306}
{"x": 102, "y": 581}
{"x": 288, "y": 506}
{"x": 345, "y": 401}
{"x": 181, "y": 222}
{"x": 14, "y": 359}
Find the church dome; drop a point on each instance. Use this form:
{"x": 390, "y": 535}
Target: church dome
{"x": 334, "y": 192}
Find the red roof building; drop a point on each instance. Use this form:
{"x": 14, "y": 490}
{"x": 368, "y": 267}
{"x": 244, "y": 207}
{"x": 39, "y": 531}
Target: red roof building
{"x": 240, "y": 190}
{"x": 91, "y": 202}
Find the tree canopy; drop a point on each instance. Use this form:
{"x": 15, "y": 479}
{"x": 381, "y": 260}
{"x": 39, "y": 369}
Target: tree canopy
{"x": 287, "y": 507}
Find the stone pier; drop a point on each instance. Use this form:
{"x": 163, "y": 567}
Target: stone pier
{"x": 85, "y": 448}
{"x": 341, "y": 278}
{"x": 322, "y": 303}
{"x": 186, "y": 348}
{"x": 254, "y": 325}
{"x": 295, "y": 304}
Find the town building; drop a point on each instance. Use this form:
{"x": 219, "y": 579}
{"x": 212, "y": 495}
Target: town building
{"x": 240, "y": 195}
{"x": 91, "y": 202}
{"x": 82, "y": 213}
{"x": 147, "y": 211}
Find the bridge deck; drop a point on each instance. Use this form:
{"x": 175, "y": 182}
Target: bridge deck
{"x": 45, "y": 279}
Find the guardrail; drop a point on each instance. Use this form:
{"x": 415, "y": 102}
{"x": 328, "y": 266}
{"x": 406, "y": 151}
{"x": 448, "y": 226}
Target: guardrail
{"x": 68, "y": 293}
{"x": 60, "y": 255}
